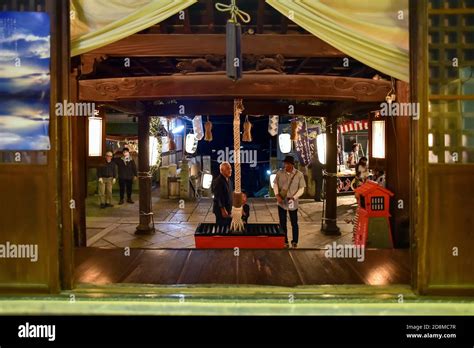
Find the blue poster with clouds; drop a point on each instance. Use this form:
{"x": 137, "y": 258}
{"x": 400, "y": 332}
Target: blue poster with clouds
{"x": 24, "y": 80}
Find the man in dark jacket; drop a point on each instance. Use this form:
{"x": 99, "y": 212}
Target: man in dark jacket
{"x": 106, "y": 175}
{"x": 127, "y": 172}
{"x": 222, "y": 191}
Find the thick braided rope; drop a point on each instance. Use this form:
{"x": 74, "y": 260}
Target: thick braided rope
{"x": 238, "y": 108}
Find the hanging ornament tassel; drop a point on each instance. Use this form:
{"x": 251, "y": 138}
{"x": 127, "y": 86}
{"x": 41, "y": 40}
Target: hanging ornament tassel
{"x": 237, "y": 224}
{"x": 208, "y": 127}
{"x": 295, "y": 126}
{"x": 233, "y": 39}
{"x": 273, "y": 125}
{"x": 171, "y": 143}
{"x": 247, "y": 136}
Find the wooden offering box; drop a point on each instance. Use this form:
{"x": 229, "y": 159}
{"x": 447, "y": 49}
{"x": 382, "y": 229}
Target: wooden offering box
{"x": 255, "y": 236}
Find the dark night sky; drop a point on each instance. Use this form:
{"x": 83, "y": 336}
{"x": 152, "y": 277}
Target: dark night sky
{"x": 253, "y": 178}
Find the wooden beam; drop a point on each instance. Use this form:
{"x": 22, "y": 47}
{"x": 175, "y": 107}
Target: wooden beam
{"x": 284, "y": 24}
{"x": 209, "y": 15}
{"x": 260, "y": 16}
{"x": 132, "y": 108}
{"x": 187, "y": 22}
{"x": 182, "y": 45}
{"x": 300, "y": 66}
{"x": 225, "y": 107}
{"x": 254, "y": 86}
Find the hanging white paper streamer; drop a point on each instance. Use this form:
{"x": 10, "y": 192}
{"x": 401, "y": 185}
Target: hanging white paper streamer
{"x": 197, "y": 127}
{"x": 273, "y": 125}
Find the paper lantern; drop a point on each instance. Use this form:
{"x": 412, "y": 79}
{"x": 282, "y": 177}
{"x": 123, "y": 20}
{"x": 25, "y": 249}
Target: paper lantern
{"x": 95, "y": 136}
{"x": 284, "y": 141}
{"x": 191, "y": 143}
{"x": 197, "y": 127}
{"x": 321, "y": 145}
{"x": 378, "y": 139}
{"x": 153, "y": 150}
{"x": 206, "y": 181}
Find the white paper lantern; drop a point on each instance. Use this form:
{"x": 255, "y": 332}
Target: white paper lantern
{"x": 153, "y": 151}
{"x": 191, "y": 143}
{"x": 321, "y": 144}
{"x": 95, "y": 136}
{"x": 378, "y": 139}
{"x": 284, "y": 141}
{"x": 206, "y": 181}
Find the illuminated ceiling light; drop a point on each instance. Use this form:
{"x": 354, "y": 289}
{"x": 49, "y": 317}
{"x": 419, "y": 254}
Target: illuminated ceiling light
{"x": 284, "y": 141}
{"x": 95, "y": 136}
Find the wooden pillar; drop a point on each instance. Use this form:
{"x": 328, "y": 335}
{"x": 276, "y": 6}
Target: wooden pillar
{"x": 397, "y": 175}
{"x": 146, "y": 225}
{"x": 330, "y": 218}
{"x": 79, "y": 166}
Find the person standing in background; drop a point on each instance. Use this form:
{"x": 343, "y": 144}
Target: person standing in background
{"x": 127, "y": 172}
{"x": 106, "y": 175}
{"x": 222, "y": 191}
{"x": 353, "y": 158}
{"x": 288, "y": 186}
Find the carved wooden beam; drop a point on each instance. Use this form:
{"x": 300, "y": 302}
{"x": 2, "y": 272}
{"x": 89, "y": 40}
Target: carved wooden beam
{"x": 253, "y": 86}
{"x": 225, "y": 107}
{"x": 133, "y": 108}
{"x": 183, "y": 45}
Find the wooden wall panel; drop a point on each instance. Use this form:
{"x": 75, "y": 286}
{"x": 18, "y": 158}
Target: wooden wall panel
{"x": 30, "y": 195}
{"x": 450, "y": 225}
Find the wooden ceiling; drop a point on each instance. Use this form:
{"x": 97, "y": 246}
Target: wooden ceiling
{"x": 200, "y": 30}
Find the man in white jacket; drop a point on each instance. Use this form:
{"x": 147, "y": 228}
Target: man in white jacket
{"x": 288, "y": 186}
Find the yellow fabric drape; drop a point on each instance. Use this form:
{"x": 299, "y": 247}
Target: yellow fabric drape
{"x": 375, "y": 32}
{"x": 96, "y": 23}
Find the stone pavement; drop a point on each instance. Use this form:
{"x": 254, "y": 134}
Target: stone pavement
{"x": 175, "y": 223}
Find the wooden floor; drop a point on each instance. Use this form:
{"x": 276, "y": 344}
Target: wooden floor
{"x": 257, "y": 267}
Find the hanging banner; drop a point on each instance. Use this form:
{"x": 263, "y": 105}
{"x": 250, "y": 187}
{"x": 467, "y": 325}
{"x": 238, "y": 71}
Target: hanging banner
{"x": 350, "y": 126}
{"x": 24, "y": 80}
{"x": 303, "y": 147}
